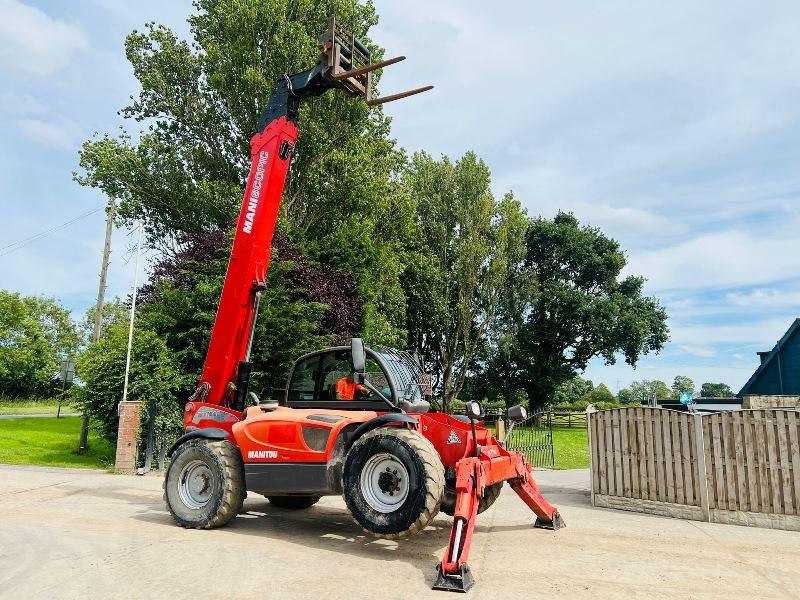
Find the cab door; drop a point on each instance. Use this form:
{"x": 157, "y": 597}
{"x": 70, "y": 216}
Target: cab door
{"x": 313, "y": 380}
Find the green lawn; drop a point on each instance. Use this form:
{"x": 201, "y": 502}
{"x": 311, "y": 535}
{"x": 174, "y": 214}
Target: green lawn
{"x": 570, "y": 445}
{"x": 33, "y": 407}
{"x": 51, "y": 442}
{"x": 571, "y": 448}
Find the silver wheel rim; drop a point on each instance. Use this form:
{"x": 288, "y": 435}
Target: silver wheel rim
{"x": 195, "y": 484}
{"x": 384, "y": 483}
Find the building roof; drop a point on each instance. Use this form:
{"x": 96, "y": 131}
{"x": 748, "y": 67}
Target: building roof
{"x": 768, "y": 378}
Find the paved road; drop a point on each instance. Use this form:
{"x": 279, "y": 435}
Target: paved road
{"x": 86, "y": 534}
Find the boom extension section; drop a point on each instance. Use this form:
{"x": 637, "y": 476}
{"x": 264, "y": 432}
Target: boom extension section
{"x": 345, "y": 64}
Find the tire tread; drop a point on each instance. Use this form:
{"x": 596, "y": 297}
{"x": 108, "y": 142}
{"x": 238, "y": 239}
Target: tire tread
{"x": 229, "y": 460}
{"x": 434, "y": 473}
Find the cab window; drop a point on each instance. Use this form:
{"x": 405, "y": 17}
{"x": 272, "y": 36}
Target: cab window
{"x": 335, "y": 366}
{"x": 304, "y": 380}
{"x": 314, "y": 381}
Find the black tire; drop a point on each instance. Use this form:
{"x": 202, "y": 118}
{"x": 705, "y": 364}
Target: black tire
{"x": 216, "y": 467}
{"x": 418, "y": 498}
{"x": 293, "y": 502}
{"x": 490, "y": 494}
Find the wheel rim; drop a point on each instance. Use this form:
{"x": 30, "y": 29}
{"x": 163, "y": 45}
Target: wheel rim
{"x": 195, "y": 484}
{"x": 384, "y": 483}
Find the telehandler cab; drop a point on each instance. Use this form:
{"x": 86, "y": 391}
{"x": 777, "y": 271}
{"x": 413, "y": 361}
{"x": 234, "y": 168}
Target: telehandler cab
{"x": 396, "y": 462}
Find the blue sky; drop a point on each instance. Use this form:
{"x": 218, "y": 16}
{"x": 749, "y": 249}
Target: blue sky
{"x": 674, "y": 127}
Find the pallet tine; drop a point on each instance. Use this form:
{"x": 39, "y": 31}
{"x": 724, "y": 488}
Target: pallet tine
{"x": 368, "y": 68}
{"x": 393, "y": 97}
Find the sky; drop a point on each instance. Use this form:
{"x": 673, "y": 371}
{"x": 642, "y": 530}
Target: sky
{"x": 673, "y": 127}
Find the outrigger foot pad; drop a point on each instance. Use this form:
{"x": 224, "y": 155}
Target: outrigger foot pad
{"x": 454, "y": 583}
{"x": 556, "y": 523}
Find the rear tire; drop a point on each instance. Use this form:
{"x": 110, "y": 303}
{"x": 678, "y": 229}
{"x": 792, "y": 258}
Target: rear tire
{"x": 490, "y": 494}
{"x": 204, "y": 486}
{"x": 393, "y": 482}
{"x": 293, "y": 502}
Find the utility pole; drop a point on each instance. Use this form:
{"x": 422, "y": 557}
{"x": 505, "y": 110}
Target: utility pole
{"x": 98, "y": 315}
{"x": 133, "y": 312}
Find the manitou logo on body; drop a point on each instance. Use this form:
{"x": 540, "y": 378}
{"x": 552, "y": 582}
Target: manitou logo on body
{"x": 453, "y": 437}
{"x": 255, "y": 191}
{"x": 262, "y": 454}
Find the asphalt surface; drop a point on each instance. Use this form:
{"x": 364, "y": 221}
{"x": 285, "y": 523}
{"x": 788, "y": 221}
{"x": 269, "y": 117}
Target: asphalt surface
{"x": 67, "y": 533}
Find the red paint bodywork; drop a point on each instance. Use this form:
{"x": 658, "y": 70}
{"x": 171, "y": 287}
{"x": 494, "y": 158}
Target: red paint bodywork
{"x": 280, "y": 430}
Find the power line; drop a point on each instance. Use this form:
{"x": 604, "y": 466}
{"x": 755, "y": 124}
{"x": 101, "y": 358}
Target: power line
{"x": 8, "y": 249}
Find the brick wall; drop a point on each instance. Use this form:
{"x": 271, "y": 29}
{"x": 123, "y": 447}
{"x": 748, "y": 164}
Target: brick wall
{"x": 126, "y": 437}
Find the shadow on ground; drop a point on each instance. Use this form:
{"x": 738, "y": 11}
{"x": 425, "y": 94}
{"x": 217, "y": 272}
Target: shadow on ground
{"x": 332, "y": 528}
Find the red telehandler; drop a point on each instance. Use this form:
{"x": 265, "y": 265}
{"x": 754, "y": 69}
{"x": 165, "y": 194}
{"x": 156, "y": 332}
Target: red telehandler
{"x": 396, "y": 462}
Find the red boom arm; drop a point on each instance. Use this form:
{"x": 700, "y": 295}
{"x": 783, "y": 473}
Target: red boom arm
{"x": 247, "y": 269}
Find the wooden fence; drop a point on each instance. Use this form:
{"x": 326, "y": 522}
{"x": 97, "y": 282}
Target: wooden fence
{"x": 569, "y": 419}
{"x": 733, "y": 467}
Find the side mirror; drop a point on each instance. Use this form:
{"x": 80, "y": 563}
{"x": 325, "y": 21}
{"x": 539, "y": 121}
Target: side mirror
{"x": 474, "y": 410}
{"x": 359, "y": 355}
{"x": 517, "y": 413}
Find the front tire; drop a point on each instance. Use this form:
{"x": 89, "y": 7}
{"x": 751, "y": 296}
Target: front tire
{"x": 204, "y": 486}
{"x": 393, "y": 482}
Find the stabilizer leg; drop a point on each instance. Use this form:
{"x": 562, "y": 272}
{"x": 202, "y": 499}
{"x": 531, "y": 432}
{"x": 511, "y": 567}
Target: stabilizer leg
{"x": 547, "y": 516}
{"x": 453, "y": 572}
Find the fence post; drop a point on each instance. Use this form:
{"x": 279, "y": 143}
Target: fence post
{"x": 501, "y": 429}
{"x": 701, "y": 465}
{"x": 590, "y": 410}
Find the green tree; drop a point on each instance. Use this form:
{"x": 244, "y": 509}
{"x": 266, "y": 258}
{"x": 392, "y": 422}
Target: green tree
{"x": 153, "y": 378}
{"x": 202, "y": 101}
{"x": 582, "y": 309}
{"x": 681, "y": 384}
{"x": 600, "y": 395}
{"x": 304, "y": 307}
{"x": 113, "y": 311}
{"x": 642, "y": 392}
{"x": 716, "y": 390}
{"x": 36, "y": 334}
{"x": 572, "y": 390}
{"x": 469, "y": 244}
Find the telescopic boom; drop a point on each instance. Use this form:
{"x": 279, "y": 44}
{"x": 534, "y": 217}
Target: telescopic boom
{"x": 345, "y": 64}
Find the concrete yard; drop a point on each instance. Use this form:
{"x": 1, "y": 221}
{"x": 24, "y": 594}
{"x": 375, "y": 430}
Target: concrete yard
{"x": 87, "y": 534}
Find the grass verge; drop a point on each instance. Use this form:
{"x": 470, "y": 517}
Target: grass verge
{"x": 34, "y": 407}
{"x": 52, "y": 443}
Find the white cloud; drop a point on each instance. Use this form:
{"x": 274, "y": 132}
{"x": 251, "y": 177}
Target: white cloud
{"x": 644, "y": 109}
{"x": 703, "y": 351}
{"x": 34, "y": 43}
{"x": 765, "y": 298}
{"x": 755, "y": 332}
{"x": 624, "y": 223}
{"x": 719, "y": 260}
{"x": 60, "y": 135}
